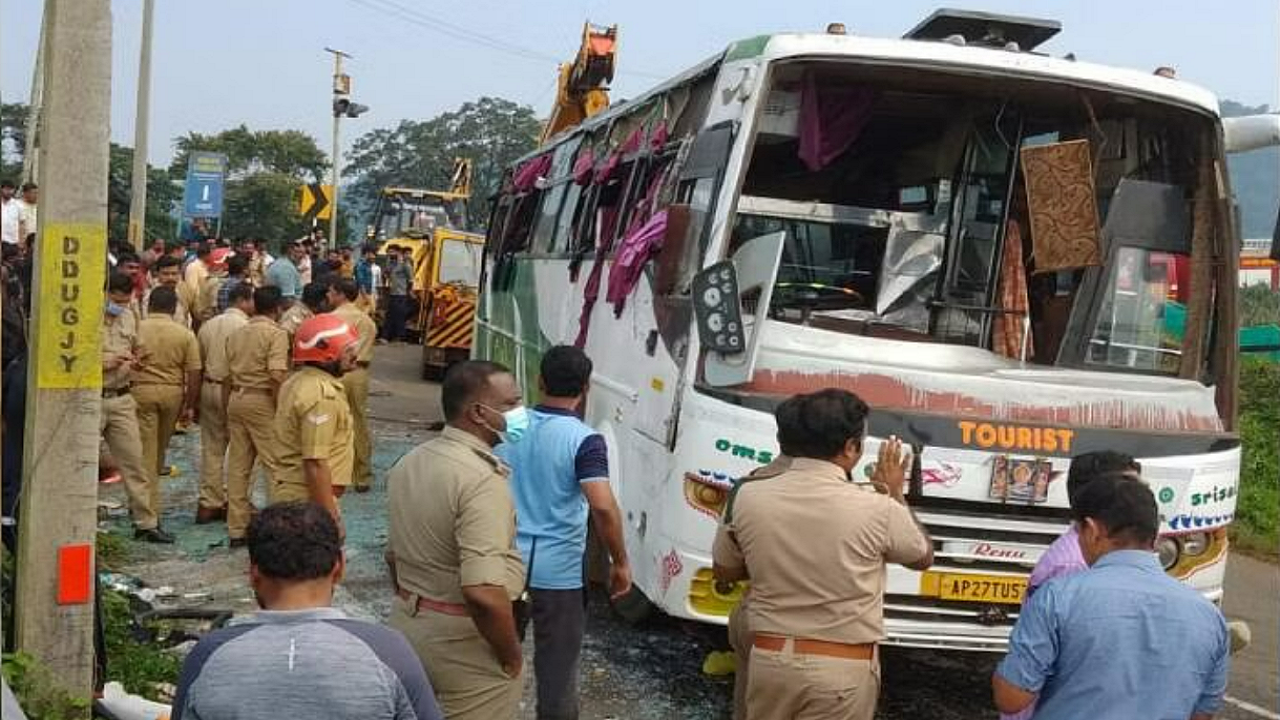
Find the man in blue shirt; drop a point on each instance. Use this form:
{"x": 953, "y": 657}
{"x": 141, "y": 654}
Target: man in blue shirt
{"x": 1122, "y": 639}
{"x": 559, "y": 476}
{"x": 284, "y": 273}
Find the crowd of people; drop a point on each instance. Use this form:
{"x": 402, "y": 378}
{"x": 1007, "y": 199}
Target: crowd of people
{"x": 487, "y": 533}
{"x": 488, "y": 522}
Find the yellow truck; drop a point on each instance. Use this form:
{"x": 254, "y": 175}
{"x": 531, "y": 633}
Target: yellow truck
{"x": 430, "y": 225}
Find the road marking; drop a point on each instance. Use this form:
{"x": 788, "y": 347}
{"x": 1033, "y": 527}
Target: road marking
{"x": 1250, "y": 707}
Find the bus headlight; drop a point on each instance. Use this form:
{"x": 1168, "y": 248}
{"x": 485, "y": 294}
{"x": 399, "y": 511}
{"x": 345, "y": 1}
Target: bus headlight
{"x": 1195, "y": 544}
{"x": 707, "y": 492}
{"x": 1167, "y": 549}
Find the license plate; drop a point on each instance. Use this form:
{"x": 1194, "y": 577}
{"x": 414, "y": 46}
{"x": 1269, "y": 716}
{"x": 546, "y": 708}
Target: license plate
{"x": 975, "y": 588}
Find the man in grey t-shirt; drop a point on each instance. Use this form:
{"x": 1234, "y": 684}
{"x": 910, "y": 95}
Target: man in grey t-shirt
{"x": 299, "y": 657}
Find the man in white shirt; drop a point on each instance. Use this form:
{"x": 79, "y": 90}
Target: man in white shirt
{"x": 27, "y": 211}
{"x": 9, "y": 212}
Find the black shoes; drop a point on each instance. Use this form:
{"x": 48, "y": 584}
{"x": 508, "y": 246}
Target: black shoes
{"x": 234, "y": 543}
{"x": 153, "y": 535}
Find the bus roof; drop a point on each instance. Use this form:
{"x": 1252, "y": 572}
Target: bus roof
{"x": 979, "y": 58}
{"x": 926, "y": 53}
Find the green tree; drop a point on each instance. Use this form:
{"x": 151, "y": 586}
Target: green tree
{"x": 491, "y": 132}
{"x": 162, "y": 194}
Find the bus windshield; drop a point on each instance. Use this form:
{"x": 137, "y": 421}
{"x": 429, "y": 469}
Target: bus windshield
{"x": 1046, "y": 223}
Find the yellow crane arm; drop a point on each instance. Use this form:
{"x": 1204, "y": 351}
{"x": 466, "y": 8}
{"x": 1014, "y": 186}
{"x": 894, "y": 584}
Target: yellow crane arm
{"x": 583, "y": 85}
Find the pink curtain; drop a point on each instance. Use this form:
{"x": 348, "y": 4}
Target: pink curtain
{"x": 831, "y": 118}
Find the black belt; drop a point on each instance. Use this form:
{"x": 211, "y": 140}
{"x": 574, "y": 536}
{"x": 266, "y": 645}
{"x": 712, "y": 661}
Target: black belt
{"x": 212, "y": 381}
{"x": 108, "y": 393}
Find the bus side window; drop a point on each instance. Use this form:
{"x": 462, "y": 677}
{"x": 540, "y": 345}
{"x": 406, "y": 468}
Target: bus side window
{"x": 560, "y": 237}
{"x": 548, "y": 212}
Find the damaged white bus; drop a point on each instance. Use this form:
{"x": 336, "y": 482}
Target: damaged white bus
{"x": 1013, "y": 258}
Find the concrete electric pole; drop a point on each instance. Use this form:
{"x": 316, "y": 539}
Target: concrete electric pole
{"x": 54, "y": 610}
{"x": 141, "y": 128}
{"x": 342, "y": 107}
{"x": 341, "y": 89}
{"x": 30, "y": 155}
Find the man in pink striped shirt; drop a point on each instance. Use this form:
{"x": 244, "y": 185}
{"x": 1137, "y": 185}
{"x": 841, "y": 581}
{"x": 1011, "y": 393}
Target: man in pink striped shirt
{"x": 1064, "y": 556}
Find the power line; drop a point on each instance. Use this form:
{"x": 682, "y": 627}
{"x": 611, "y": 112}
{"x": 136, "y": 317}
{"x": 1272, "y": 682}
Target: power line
{"x": 458, "y": 32}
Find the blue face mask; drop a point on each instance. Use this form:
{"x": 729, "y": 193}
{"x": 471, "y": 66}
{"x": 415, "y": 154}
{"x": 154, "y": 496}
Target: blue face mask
{"x": 516, "y": 421}
{"x": 114, "y": 309}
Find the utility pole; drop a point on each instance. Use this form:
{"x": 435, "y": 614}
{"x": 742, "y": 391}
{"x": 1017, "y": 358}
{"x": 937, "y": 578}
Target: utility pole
{"x": 30, "y": 161}
{"x": 342, "y": 106}
{"x": 54, "y": 610}
{"x": 141, "y": 128}
{"x": 341, "y": 88}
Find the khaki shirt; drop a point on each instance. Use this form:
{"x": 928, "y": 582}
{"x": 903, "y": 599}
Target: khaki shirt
{"x": 254, "y": 351}
{"x": 206, "y": 306}
{"x": 171, "y": 351}
{"x": 119, "y": 337}
{"x": 452, "y": 520}
{"x": 826, "y": 581}
{"x": 294, "y": 317}
{"x": 364, "y": 326}
{"x": 213, "y": 338}
{"x": 186, "y": 301}
{"x": 194, "y": 275}
{"x": 313, "y": 422}
{"x": 257, "y": 270}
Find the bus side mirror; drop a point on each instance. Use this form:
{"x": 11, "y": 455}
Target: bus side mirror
{"x": 729, "y": 332}
{"x": 718, "y": 310}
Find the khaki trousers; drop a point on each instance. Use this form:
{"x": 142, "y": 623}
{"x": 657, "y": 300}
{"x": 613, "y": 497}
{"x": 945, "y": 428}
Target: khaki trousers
{"x": 214, "y": 439}
{"x": 465, "y": 674}
{"x": 158, "y": 409}
{"x": 740, "y": 638}
{"x": 356, "y": 383}
{"x": 785, "y": 686}
{"x": 119, "y": 427}
{"x": 251, "y": 428}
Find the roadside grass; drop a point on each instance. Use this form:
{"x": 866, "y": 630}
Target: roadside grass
{"x": 1256, "y": 529}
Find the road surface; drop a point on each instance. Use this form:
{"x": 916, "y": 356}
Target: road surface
{"x": 652, "y": 672}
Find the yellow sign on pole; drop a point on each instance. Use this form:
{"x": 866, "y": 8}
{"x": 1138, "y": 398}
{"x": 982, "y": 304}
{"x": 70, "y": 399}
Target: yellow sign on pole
{"x": 69, "y": 343}
{"x": 316, "y": 202}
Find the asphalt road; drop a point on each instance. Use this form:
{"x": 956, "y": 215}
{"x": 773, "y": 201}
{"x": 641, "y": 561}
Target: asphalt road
{"x": 651, "y": 672}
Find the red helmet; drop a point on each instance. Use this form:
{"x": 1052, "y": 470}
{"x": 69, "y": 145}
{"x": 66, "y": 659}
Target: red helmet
{"x": 322, "y": 339}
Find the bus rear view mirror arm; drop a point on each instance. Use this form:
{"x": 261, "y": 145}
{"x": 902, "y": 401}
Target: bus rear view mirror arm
{"x": 729, "y": 335}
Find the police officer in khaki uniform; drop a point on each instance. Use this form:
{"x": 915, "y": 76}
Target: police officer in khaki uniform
{"x": 312, "y": 422}
{"x": 739, "y": 629}
{"x": 313, "y": 303}
{"x": 166, "y": 388}
{"x": 206, "y": 307}
{"x": 121, "y": 358}
{"x": 817, "y": 597}
{"x": 452, "y": 549}
{"x": 214, "y": 435}
{"x": 341, "y": 297}
{"x": 257, "y": 363}
{"x": 168, "y": 272}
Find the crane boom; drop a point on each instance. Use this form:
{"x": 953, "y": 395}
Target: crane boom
{"x": 583, "y": 85}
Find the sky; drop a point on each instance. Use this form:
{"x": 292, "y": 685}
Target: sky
{"x": 219, "y": 63}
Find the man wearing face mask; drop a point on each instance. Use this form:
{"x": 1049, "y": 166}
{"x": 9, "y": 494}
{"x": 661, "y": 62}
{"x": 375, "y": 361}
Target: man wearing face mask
{"x": 452, "y": 547}
{"x": 121, "y": 357}
{"x": 817, "y": 596}
{"x": 559, "y": 478}
{"x": 313, "y": 423}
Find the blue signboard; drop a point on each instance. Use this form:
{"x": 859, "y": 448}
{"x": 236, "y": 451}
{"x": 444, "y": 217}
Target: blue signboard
{"x": 202, "y": 196}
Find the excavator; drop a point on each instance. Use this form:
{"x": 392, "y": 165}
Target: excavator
{"x": 432, "y": 226}
{"x": 583, "y": 86}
